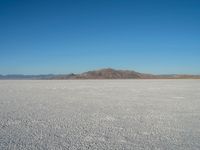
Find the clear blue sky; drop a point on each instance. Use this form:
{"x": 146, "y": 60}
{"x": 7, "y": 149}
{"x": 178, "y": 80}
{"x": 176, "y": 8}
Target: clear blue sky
{"x": 63, "y": 36}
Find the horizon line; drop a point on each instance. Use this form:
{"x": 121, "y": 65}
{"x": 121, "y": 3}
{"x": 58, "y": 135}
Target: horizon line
{"x": 97, "y": 69}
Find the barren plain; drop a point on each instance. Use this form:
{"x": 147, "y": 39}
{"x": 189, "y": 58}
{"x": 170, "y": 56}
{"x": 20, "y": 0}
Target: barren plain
{"x": 100, "y": 114}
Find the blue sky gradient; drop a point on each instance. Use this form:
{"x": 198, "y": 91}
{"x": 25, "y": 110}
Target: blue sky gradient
{"x": 64, "y": 36}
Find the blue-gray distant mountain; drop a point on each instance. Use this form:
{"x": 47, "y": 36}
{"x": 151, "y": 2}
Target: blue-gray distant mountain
{"x": 107, "y": 73}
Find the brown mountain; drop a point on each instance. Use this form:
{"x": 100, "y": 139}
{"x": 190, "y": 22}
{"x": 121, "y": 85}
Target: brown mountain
{"x": 110, "y": 73}
{"x": 107, "y": 73}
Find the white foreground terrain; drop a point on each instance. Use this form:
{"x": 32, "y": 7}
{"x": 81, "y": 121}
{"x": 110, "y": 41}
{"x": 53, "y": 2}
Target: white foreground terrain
{"x": 100, "y": 114}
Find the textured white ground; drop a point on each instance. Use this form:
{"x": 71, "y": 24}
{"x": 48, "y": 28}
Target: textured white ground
{"x": 100, "y": 114}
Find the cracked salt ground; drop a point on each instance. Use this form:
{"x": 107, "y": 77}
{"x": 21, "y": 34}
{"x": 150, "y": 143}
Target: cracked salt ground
{"x": 100, "y": 114}
{"x": 178, "y": 97}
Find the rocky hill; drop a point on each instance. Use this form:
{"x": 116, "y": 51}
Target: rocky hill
{"x": 112, "y": 74}
{"x": 107, "y": 73}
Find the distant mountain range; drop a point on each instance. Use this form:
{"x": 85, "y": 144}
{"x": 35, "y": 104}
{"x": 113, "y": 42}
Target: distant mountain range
{"x": 107, "y": 73}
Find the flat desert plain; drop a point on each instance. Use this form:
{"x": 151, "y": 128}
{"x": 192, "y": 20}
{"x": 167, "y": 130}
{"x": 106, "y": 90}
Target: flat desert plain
{"x": 100, "y": 114}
